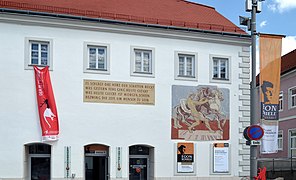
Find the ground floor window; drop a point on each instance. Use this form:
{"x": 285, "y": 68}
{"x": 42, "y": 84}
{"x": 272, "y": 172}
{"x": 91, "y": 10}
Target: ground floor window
{"x": 293, "y": 143}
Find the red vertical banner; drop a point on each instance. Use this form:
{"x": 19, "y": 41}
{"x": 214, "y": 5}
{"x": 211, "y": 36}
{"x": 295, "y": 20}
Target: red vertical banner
{"x": 46, "y": 105}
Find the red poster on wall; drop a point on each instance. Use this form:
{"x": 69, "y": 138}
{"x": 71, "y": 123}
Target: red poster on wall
{"x": 46, "y": 105}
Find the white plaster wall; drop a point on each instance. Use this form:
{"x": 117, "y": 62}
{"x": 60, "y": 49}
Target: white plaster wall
{"x": 110, "y": 124}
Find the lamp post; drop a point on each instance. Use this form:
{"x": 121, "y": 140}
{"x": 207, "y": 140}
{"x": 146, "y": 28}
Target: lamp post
{"x": 253, "y": 6}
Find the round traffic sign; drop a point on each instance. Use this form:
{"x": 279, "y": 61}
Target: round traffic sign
{"x": 255, "y": 132}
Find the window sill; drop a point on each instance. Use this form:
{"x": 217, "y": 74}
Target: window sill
{"x": 96, "y": 71}
{"x": 186, "y": 78}
{"x": 31, "y": 66}
{"x": 220, "y": 80}
{"x": 142, "y": 74}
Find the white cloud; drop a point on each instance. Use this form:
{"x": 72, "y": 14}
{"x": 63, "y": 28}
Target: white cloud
{"x": 263, "y": 23}
{"x": 272, "y": 7}
{"x": 282, "y": 5}
{"x": 288, "y": 44}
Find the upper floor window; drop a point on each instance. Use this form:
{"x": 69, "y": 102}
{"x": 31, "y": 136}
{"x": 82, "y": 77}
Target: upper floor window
{"x": 39, "y": 53}
{"x": 142, "y": 63}
{"x": 185, "y": 66}
{"x": 220, "y": 68}
{"x": 281, "y": 101}
{"x": 280, "y": 140}
{"x": 96, "y": 58}
{"x": 292, "y": 97}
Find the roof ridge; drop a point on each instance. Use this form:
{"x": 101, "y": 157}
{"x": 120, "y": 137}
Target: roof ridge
{"x": 195, "y": 3}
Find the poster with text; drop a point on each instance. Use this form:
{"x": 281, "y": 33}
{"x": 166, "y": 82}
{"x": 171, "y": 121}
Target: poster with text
{"x": 185, "y": 157}
{"x": 221, "y": 158}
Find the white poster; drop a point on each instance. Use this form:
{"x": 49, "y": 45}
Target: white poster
{"x": 269, "y": 141}
{"x": 184, "y": 167}
{"x": 221, "y": 158}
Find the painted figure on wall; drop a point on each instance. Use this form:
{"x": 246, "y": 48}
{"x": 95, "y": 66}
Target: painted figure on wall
{"x": 200, "y": 113}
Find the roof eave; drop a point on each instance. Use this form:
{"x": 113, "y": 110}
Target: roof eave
{"x": 103, "y": 20}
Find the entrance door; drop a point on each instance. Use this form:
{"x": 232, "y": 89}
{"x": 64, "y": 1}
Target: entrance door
{"x": 40, "y": 168}
{"x": 96, "y": 168}
{"x": 138, "y": 168}
{"x": 38, "y": 161}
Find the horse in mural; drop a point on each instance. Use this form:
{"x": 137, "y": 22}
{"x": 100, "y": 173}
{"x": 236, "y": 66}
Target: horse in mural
{"x": 202, "y": 106}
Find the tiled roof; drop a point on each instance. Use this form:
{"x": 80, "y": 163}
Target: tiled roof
{"x": 176, "y": 13}
{"x": 288, "y": 62}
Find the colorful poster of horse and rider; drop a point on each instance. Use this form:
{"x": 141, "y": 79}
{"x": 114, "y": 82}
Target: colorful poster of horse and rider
{"x": 200, "y": 113}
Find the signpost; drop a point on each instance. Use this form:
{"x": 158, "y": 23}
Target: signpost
{"x": 253, "y": 133}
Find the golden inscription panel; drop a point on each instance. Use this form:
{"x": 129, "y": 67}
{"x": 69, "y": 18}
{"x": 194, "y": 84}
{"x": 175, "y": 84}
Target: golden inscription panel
{"x": 118, "y": 92}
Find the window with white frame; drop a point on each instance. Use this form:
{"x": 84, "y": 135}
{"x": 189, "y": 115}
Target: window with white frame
{"x": 281, "y": 101}
{"x": 280, "y": 140}
{"x": 293, "y": 143}
{"x": 38, "y": 53}
{"x": 220, "y": 68}
{"x": 185, "y": 66}
{"x": 142, "y": 63}
{"x": 96, "y": 58}
{"x": 292, "y": 93}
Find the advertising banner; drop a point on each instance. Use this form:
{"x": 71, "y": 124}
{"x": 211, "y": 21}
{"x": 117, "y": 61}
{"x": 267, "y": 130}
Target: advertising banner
{"x": 270, "y": 71}
{"x": 46, "y": 105}
{"x": 270, "y": 138}
{"x": 185, "y": 157}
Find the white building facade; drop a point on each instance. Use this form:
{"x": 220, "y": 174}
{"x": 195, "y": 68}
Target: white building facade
{"x": 114, "y": 138}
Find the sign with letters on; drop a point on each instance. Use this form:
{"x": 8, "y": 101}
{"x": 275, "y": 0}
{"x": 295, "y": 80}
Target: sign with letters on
{"x": 221, "y": 158}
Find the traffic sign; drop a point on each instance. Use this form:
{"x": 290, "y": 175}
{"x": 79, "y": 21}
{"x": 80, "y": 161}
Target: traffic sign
{"x": 255, "y": 132}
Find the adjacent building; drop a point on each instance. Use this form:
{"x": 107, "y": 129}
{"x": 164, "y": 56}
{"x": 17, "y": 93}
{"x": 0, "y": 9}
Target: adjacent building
{"x": 146, "y": 90}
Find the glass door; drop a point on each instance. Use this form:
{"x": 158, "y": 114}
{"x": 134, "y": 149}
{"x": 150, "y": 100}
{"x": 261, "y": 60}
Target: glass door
{"x": 40, "y": 168}
{"x": 96, "y": 168}
{"x": 138, "y": 168}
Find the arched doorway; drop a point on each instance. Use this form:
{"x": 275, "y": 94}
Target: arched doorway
{"x": 96, "y": 162}
{"x": 141, "y": 162}
{"x": 39, "y": 163}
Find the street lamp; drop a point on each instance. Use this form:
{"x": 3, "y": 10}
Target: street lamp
{"x": 253, "y": 6}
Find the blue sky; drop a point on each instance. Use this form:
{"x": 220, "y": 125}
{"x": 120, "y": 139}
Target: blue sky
{"x": 277, "y": 17}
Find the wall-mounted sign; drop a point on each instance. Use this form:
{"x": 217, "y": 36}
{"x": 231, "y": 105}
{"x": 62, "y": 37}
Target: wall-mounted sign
{"x": 185, "y": 157}
{"x": 118, "y": 162}
{"x": 118, "y": 92}
{"x": 67, "y": 161}
{"x": 221, "y": 157}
